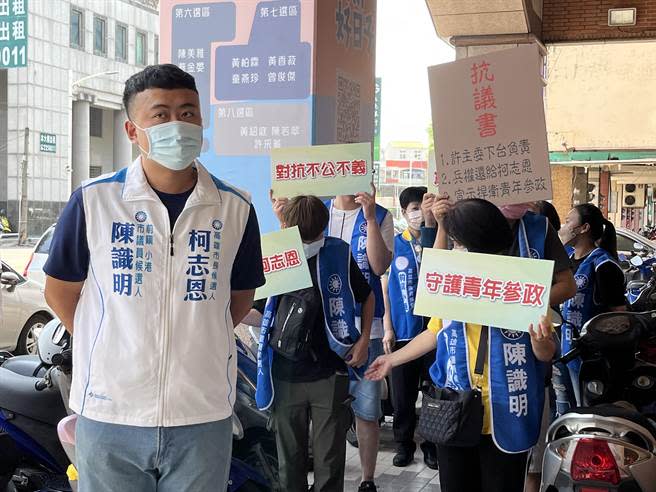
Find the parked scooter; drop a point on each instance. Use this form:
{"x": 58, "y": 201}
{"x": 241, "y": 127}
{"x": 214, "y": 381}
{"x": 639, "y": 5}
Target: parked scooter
{"x": 33, "y": 396}
{"x": 641, "y": 291}
{"x": 609, "y": 442}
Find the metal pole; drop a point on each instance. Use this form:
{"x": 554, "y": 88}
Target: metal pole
{"x": 22, "y": 224}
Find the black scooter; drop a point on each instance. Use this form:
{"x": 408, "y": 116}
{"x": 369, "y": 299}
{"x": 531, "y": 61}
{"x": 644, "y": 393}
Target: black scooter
{"x": 33, "y": 401}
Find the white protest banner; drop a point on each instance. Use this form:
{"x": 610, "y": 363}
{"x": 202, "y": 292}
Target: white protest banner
{"x": 489, "y": 127}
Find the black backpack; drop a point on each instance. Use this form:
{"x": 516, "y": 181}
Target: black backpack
{"x": 291, "y": 336}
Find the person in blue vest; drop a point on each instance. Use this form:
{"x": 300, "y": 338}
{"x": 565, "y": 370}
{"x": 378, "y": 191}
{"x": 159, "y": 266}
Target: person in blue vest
{"x": 309, "y": 346}
{"x": 369, "y": 229}
{"x": 600, "y": 288}
{"x": 512, "y": 382}
{"x": 401, "y": 326}
{"x": 533, "y": 236}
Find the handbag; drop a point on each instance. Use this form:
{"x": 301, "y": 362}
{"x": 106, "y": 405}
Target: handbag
{"x": 455, "y": 417}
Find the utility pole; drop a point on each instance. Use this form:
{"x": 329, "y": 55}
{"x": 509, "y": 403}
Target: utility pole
{"x": 22, "y": 221}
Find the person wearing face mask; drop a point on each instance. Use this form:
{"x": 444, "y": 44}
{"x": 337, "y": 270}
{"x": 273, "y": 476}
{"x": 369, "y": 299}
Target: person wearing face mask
{"x": 401, "y": 326}
{"x": 151, "y": 268}
{"x": 533, "y": 237}
{"x": 498, "y": 462}
{"x": 310, "y": 382}
{"x": 600, "y": 288}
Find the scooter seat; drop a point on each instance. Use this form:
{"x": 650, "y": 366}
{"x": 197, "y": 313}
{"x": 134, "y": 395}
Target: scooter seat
{"x": 19, "y": 395}
{"x": 26, "y": 365}
{"x": 618, "y": 412}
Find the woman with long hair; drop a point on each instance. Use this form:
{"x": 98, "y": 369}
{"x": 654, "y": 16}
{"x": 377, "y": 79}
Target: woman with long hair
{"x": 599, "y": 283}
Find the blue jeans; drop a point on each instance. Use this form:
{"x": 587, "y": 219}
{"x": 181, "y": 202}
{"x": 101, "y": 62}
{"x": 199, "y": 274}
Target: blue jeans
{"x": 367, "y": 394}
{"x": 113, "y": 457}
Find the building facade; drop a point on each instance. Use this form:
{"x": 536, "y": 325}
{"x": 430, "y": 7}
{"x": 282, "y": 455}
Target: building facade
{"x": 403, "y": 164}
{"x": 68, "y": 100}
{"x": 600, "y": 90}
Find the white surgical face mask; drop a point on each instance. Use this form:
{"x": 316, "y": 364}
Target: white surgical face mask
{"x": 174, "y": 145}
{"x": 414, "y": 219}
{"x": 567, "y": 234}
{"x": 312, "y": 249}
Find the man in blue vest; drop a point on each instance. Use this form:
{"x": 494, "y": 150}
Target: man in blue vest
{"x": 308, "y": 347}
{"x": 151, "y": 268}
{"x": 369, "y": 229}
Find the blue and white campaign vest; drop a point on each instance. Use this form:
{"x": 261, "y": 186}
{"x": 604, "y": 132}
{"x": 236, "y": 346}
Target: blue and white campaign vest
{"x": 339, "y": 307}
{"x": 582, "y": 307}
{"x": 359, "y": 251}
{"x": 403, "y": 282}
{"x": 516, "y": 381}
{"x": 154, "y": 341}
{"x": 532, "y": 234}
{"x": 517, "y": 385}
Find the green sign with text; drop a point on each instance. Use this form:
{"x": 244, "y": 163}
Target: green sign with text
{"x": 501, "y": 291}
{"x": 48, "y": 143}
{"x": 285, "y": 266}
{"x": 13, "y": 33}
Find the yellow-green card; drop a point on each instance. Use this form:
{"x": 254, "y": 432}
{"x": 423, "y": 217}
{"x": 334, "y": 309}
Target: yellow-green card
{"x": 321, "y": 170}
{"x": 501, "y": 291}
{"x": 285, "y": 266}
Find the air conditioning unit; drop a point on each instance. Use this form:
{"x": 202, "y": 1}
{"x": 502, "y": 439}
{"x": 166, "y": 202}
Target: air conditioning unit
{"x": 634, "y": 195}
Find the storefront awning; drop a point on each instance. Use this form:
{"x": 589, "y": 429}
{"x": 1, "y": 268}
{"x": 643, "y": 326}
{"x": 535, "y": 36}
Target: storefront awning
{"x": 602, "y": 157}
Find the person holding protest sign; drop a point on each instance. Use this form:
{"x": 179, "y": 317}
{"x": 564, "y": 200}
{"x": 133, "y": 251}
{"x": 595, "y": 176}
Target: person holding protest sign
{"x": 401, "y": 326}
{"x": 533, "y": 237}
{"x": 369, "y": 229}
{"x": 511, "y": 422}
{"x": 309, "y": 345}
{"x": 600, "y": 288}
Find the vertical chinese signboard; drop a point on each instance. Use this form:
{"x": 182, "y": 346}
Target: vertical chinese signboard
{"x": 377, "y": 107}
{"x": 266, "y": 80}
{"x": 345, "y": 71}
{"x": 489, "y": 127}
{"x": 13, "y": 33}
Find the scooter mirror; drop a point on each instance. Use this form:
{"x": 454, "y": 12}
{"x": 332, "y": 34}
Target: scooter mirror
{"x": 637, "y": 261}
{"x": 638, "y": 246}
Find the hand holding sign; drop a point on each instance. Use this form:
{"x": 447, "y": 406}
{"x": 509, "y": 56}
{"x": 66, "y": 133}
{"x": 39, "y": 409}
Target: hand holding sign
{"x": 278, "y": 205}
{"x": 426, "y": 209}
{"x": 368, "y": 203}
{"x": 441, "y": 207}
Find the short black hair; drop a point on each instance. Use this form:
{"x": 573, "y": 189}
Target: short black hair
{"x": 479, "y": 226}
{"x": 309, "y": 214}
{"x": 412, "y": 194}
{"x": 165, "y": 76}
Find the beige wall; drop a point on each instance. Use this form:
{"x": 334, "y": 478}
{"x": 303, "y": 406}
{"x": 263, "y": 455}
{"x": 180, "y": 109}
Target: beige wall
{"x": 562, "y": 178}
{"x": 601, "y": 95}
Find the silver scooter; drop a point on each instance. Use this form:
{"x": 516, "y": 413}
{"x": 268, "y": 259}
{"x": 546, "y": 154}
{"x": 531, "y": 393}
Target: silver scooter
{"x": 608, "y": 443}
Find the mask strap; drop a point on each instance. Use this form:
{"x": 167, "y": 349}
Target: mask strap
{"x": 147, "y": 154}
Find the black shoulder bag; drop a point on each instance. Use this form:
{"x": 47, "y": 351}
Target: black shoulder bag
{"x": 455, "y": 418}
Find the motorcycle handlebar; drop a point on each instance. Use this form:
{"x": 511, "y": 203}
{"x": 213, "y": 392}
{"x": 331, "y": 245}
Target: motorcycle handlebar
{"x": 40, "y": 385}
{"x": 569, "y": 356}
{"x": 62, "y": 359}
